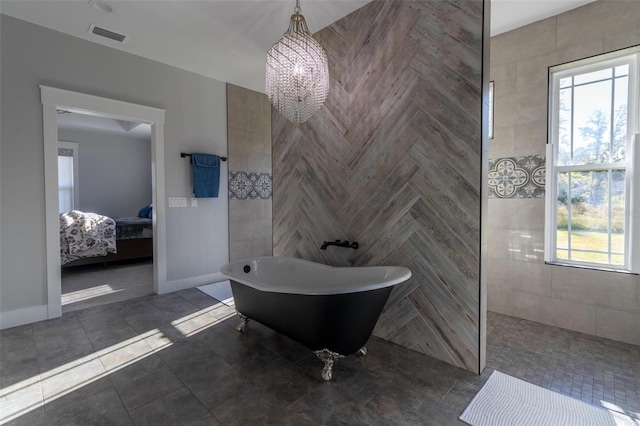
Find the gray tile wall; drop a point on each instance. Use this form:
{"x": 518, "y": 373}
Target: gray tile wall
{"x": 249, "y": 138}
{"x": 520, "y": 284}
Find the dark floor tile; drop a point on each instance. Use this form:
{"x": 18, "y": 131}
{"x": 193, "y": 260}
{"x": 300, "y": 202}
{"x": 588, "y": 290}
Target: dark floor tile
{"x": 326, "y": 403}
{"x": 100, "y": 314}
{"x": 17, "y": 343}
{"x": 142, "y": 316}
{"x": 218, "y": 335}
{"x": 180, "y": 407}
{"x": 64, "y": 354}
{"x": 350, "y": 375}
{"x": 401, "y": 406}
{"x": 341, "y": 399}
{"x": 252, "y": 407}
{"x": 88, "y": 408}
{"x": 111, "y": 332}
{"x": 16, "y": 371}
{"x": 198, "y": 298}
{"x": 230, "y": 345}
{"x": 144, "y": 381}
{"x": 183, "y": 353}
{"x": 211, "y": 379}
{"x": 285, "y": 347}
{"x": 460, "y": 396}
{"x": 173, "y": 305}
{"x": 425, "y": 379}
{"x": 35, "y": 417}
{"x": 68, "y": 321}
{"x": 91, "y": 403}
{"x": 276, "y": 375}
{"x": 290, "y": 385}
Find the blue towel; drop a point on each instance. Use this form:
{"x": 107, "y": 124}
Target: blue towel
{"x": 206, "y": 175}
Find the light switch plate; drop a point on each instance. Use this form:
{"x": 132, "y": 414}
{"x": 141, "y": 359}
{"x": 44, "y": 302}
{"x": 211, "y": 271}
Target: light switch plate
{"x": 177, "y": 201}
{"x": 194, "y": 202}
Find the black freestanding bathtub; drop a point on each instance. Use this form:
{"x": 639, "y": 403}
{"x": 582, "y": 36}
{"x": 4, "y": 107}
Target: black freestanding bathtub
{"x": 330, "y": 310}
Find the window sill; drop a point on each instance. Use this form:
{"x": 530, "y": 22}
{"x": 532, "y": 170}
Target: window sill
{"x": 593, "y": 268}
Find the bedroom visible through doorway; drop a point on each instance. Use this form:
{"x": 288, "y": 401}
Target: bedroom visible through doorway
{"x": 104, "y": 201}
{"x": 54, "y": 100}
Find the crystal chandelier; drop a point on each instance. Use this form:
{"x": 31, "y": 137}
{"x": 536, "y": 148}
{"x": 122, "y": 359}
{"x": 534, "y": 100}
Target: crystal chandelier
{"x": 297, "y": 72}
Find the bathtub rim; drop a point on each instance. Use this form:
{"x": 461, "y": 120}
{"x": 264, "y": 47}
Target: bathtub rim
{"x": 403, "y": 274}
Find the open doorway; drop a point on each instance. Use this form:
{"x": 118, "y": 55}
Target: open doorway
{"x": 104, "y": 201}
{"x": 55, "y": 100}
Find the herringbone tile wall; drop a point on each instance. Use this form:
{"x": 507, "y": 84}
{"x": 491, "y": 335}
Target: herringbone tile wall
{"x": 393, "y": 161}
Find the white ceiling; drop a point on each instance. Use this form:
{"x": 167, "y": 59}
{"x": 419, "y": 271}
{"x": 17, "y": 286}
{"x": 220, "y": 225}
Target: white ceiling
{"x": 224, "y": 39}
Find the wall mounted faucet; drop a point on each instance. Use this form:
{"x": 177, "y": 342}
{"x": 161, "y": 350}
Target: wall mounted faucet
{"x": 338, "y": 243}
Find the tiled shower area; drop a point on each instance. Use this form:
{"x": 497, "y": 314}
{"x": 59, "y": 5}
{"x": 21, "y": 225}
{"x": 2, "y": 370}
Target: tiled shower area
{"x": 520, "y": 284}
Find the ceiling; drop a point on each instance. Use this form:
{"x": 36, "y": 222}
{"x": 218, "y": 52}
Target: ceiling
{"x": 224, "y": 39}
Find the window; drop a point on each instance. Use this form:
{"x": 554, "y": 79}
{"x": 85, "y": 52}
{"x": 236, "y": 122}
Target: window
{"x": 590, "y": 163}
{"x": 67, "y": 176}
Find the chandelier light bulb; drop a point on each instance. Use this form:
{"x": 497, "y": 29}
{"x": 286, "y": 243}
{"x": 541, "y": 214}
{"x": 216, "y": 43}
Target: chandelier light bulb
{"x": 297, "y": 74}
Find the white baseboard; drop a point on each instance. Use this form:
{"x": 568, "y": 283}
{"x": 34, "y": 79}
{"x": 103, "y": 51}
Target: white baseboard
{"x": 23, "y": 316}
{"x": 191, "y": 282}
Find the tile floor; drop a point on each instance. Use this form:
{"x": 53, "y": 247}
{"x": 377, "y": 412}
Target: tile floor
{"x": 91, "y": 285}
{"x": 596, "y": 370}
{"x": 176, "y": 359}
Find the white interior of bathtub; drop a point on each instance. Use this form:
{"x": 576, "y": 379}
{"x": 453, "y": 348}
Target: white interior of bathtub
{"x": 289, "y": 275}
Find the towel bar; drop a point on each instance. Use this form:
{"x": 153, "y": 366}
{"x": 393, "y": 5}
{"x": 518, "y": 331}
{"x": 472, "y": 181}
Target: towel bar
{"x": 184, "y": 154}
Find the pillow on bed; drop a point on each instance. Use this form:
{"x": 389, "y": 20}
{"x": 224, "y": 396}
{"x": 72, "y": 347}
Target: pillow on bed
{"x": 146, "y": 211}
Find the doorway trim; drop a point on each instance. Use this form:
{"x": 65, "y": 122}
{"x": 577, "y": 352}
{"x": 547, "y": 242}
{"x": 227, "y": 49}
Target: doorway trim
{"x": 53, "y": 99}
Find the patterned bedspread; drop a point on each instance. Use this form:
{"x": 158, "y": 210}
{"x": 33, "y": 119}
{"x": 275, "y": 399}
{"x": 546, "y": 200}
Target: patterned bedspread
{"x": 85, "y": 235}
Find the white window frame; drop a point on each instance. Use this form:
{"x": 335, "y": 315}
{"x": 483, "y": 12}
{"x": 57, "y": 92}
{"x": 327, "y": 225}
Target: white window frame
{"x": 632, "y": 164}
{"x": 76, "y": 175}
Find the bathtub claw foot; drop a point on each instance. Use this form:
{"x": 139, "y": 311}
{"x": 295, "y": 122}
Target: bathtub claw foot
{"x": 244, "y": 320}
{"x": 329, "y": 358}
{"x": 362, "y": 351}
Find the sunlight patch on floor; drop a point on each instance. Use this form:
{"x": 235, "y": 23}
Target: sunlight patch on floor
{"x": 615, "y": 411}
{"x": 203, "y": 319}
{"x": 19, "y": 399}
{"x": 88, "y": 293}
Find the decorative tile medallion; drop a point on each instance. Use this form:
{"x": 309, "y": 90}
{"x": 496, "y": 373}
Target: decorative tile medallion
{"x": 249, "y": 185}
{"x": 517, "y": 177}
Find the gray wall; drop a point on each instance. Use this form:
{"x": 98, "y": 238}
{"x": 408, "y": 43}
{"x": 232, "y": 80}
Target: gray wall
{"x": 520, "y": 283}
{"x": 114, "y": 171}
{"x": 195, "y": 121}
{"x": 249, "y": 129}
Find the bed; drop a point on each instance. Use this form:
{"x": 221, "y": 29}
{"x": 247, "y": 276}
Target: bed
{"x": 87, "y": 238}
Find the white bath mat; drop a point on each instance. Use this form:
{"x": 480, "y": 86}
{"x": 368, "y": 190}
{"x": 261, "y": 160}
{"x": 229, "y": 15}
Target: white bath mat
{"x": 505, "y": 400}
{"x": 220, "y": 291}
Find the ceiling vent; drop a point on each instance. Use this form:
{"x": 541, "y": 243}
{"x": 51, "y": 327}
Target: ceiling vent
{"x": 93, "y": 29}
